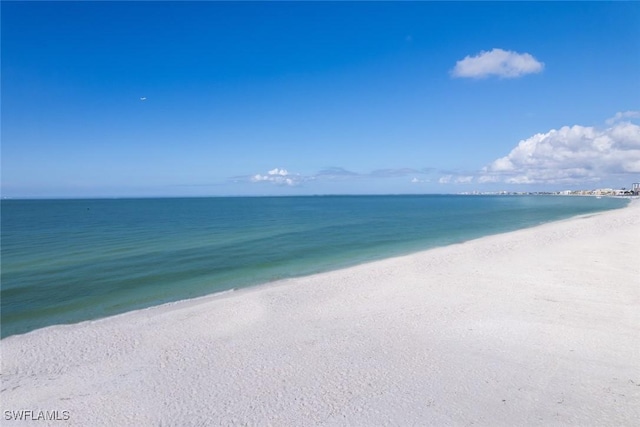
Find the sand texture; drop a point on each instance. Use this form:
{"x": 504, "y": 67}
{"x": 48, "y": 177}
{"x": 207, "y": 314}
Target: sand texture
{"x": 535, "y": 327}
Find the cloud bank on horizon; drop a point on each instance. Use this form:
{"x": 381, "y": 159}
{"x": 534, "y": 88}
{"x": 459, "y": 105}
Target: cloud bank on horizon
{"x": 569, "y": 155}
{"x": 497, "y": 62}
{"x": 283, "y": 177}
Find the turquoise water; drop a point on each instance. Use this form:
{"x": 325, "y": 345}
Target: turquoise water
{"x": 65, "y": 261}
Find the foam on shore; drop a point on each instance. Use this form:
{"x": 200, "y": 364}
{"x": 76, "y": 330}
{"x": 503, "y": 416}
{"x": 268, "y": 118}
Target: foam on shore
{"x": 535, "y": 327}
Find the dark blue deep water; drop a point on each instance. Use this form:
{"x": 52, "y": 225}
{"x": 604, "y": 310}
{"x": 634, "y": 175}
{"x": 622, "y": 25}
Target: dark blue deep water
{"x": 65, "y": 261}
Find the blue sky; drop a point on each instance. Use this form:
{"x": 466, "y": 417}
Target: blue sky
{"x": 222, "y": 98}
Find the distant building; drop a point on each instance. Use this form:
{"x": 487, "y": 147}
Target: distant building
{"x": 635, "y": 187}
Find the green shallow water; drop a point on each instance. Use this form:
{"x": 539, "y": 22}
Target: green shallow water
{"x": 65, "y": 261}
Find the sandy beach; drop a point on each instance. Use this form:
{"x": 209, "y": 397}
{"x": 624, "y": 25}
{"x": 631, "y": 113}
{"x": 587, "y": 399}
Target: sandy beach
{"x": 535, "y": 327}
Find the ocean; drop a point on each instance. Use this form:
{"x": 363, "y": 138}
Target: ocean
{"x": 65, "y": 261}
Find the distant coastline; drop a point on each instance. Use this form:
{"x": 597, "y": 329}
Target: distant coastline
{"x": 610, "y": 192}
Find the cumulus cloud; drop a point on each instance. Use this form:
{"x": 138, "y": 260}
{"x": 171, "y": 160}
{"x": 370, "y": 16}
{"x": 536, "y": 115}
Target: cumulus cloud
{"x": 278, "y": 176}
{"x": 571, "y": 154}
{"x": 497, "y": 62}
{"x": 622, "y": 116}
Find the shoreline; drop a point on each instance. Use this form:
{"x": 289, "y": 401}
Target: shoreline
{"x": 345, "y": 265}
{"x": 532, "y": 327}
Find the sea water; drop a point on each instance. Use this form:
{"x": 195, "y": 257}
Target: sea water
{"x": 65, "y": 261}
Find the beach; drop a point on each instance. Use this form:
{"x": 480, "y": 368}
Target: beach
{"x": 539, "y": 326}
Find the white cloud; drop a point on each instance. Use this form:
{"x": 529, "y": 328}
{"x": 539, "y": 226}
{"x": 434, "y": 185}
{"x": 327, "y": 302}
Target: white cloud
{"x": 623, "y": 115}
{"x": 284, "y": 177}
{"x": 488, "y": 178}
{"x": 277, "y": 176}
{"x": 464, "y": 179}
{"x": 455, "y": 179}
{"x": 571, "y": 154}
{"x": 497, "y": 62}
{"x": 278, "y": 172}
{"x": 416, "y": 180}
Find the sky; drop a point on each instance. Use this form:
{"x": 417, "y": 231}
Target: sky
{"x": 128, "y": 99}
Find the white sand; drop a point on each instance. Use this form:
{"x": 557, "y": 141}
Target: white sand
{"x": 535, "y": 327}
